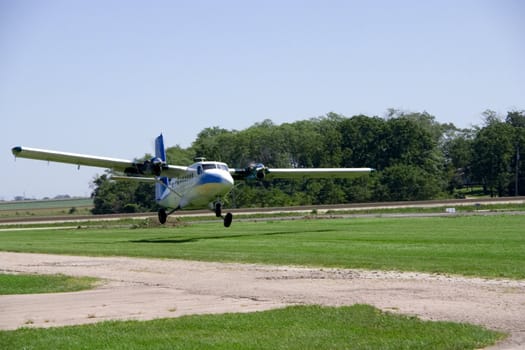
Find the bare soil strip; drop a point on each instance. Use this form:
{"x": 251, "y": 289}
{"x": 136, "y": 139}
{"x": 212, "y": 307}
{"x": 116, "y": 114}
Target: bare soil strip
{"x": 145, "y": 289}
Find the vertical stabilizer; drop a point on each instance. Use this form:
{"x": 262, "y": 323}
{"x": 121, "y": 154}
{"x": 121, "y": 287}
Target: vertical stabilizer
{"x": 160, "y": 152}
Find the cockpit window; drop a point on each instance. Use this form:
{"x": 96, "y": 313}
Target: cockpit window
{"x": 209, "y": 166}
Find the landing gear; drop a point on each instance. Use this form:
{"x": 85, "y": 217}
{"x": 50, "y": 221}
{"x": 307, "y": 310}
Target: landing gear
{"x": 218, "y": 213}
{"x": 218, "y": 210}
{"x": 228, "y": 220}
{"x": 163, "y": 216}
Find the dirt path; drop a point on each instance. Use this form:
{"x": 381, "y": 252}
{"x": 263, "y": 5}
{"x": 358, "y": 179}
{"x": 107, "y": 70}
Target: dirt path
{"x": 147, "y": 288}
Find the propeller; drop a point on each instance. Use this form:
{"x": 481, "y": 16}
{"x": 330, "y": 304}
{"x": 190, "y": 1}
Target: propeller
{"x": 256, "y": 171}
{"x": 152, "y": 166}
{"x": 156, "y": 165}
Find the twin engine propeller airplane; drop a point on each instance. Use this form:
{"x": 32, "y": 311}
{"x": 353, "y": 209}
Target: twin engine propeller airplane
{"x": 202, "y": 184}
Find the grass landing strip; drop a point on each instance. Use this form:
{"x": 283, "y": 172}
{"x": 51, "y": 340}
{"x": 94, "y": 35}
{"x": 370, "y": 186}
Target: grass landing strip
{"x": 298, "y": 327}
{"x": 491, "y": 246}
{"x": 487, "y": 246}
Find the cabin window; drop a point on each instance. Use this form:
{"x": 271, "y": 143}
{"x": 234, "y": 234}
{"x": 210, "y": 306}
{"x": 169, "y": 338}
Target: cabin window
{"x": 199, "y": 170}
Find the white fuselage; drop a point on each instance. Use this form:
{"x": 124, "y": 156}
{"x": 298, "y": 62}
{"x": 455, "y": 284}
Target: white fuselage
{"x": 204, "y": 183}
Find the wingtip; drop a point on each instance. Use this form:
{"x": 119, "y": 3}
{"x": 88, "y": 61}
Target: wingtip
{"x": 16, "y": 150}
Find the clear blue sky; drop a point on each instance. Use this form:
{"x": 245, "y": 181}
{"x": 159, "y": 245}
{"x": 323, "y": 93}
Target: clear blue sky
{"x": 105, "y": 77}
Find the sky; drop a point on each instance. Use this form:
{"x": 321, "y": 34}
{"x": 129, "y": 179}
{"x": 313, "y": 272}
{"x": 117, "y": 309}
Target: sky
{"x": 104, "y": 77}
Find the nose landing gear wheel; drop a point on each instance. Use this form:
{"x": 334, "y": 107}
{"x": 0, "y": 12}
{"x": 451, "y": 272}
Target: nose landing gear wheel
{"x": 228, "y": 220}
{"x": 218, "y": 210}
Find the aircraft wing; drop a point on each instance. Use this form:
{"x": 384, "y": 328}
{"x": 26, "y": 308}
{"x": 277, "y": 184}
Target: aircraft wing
{"x": 130, "y": 168}
{"x": 317, "y": 173}
{"x": 259, "y": 172}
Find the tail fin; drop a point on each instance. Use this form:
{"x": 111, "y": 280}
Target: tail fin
{"x": 160, "y": 153}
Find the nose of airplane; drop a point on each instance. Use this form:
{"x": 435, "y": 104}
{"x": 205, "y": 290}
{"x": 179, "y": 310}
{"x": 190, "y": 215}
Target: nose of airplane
{"x": 217, "y": 177}
{"x": 227, "y": 178}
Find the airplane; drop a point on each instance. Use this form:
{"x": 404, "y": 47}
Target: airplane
{"x": 200, "y": 185}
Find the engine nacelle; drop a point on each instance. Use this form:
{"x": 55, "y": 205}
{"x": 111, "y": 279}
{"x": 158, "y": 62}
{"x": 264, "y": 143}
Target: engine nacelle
{"x": 152, "y": 166}
{"x": 255, "y": 172}
{"x": 156, "y": 166}
{"x": 260, "y": 170}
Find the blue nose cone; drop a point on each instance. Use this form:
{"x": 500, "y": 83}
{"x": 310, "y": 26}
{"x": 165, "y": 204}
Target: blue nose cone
{"x": 216, "y": 177}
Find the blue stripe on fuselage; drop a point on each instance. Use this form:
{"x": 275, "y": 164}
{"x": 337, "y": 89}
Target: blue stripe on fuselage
{"x": 209, "y": 178}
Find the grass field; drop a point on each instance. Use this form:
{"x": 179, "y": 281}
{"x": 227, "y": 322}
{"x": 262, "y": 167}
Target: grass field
{"x": 28, "y": 284}
{"x": 299, "y": 327}
{"x": 51, "y": 207}
{"x": 488, "y": 246}
{"x": 491, "y": 246}
{"x": 83, "y": 206}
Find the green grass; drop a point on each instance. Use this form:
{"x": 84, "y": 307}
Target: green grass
{"x": 46, "y": 204}
{"x": 471, "y": 208}
{"x": 50, "y": 207}
{"x": 299, "y": 327}
{"x": 29, "y": 284}
{"x": 489, "y": 246}
{"x": 492, "y": 246}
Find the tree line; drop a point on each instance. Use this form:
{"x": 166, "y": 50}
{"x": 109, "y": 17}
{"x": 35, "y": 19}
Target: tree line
{"x": 415, "y": 157}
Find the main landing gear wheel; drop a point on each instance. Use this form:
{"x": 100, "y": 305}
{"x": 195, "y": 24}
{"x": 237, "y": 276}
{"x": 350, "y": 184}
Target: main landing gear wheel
{"x": 163, "y": 216}
{"x": 218, "y": 213}
{"x": 228, "y": 220}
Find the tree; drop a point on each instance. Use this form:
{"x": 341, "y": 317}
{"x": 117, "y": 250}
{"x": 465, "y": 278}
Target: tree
{"x": 362, "y": 141}
{"x": 493, "y": 151}
{"x": 121, "y": 196}
{"x": 328, "y": 128}
{"x": 457, "y": 152}
{"x": 516, "y": 119}
{"x": 402, "y": 182}
{"x": 303, "y": 143}
{"x": 415, "y": 157}
{"x": 179, "y": 155}
{"x": 208, "y": 143}
{"x": 406, "y": 143}
{"x": 424, "y": 120}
